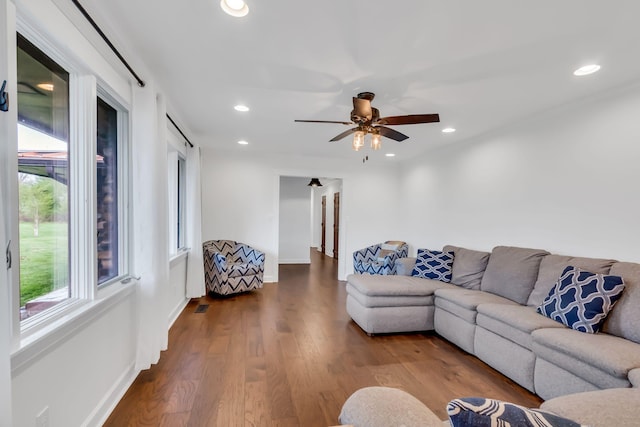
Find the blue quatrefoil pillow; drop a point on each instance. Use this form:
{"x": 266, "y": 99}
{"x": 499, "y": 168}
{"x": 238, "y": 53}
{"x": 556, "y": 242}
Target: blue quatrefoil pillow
{"x": 481, "y": 412}
{"x": 582, "y": 300}
{"x": 433, "y": 265}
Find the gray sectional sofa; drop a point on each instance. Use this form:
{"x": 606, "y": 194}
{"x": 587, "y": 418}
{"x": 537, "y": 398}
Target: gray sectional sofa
{"x": 489, "y": 310}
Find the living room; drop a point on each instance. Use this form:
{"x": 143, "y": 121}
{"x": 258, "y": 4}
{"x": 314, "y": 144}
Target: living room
{"x": 560, "y": 177}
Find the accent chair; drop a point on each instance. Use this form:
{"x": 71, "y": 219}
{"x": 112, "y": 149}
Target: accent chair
{"x": 232, "y": 267}
{"x": 380, "y": 258}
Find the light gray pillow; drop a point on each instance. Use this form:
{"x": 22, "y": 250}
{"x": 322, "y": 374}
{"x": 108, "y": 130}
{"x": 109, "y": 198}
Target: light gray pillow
{"x": 468, "y": 266}
{"x": 552, "y": 267}
{"x": 404, "y": 266}
{"x": 512, "y": 272}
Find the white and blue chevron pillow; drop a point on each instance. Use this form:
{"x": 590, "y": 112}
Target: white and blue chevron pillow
{"x": 582, "y": 300}
{"x": 481, "y": 412}
{"x": 433, "y": 265}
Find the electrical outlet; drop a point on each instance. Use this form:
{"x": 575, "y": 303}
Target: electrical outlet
{"x": 42, "y": 419}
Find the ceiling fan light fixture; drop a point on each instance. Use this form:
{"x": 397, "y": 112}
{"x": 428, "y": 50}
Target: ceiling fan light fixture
{"x": 358, "y": 140}
{"x": 376, "y": 142}
{"x": 315, "y": 182}
{"x": 46, "y": 86}
{"x": 236, "y": 8}
{"x": 586, "y": 70}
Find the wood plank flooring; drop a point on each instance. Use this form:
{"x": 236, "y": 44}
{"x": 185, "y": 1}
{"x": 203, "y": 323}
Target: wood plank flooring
{"x": 289, "y": 355}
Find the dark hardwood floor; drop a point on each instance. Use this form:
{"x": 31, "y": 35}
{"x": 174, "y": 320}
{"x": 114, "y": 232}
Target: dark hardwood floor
{"x": 289, "y": 355}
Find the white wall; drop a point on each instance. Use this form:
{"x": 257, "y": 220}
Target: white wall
{"x": 295, "y": 221}
{"x": 241, "y": 200}
{"x": 566, "y": 181}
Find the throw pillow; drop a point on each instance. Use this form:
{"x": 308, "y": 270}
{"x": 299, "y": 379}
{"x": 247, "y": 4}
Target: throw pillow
{"x": 582, "y": 300}
{"x": 433, "y": 265}
{"x": 481, "y": 412}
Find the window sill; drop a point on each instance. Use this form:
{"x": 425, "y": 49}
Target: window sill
{"x": 177, "y": 257}
{"x": 81, "y": 313}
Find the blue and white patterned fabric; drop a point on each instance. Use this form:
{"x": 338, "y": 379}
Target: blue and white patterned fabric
{"x": 481, "y": 412}
{"x": 433, "y": 265}
{"x": 231, "y": 267}
{"x": 582, "y": 300}
{"x": 374, "y": 260}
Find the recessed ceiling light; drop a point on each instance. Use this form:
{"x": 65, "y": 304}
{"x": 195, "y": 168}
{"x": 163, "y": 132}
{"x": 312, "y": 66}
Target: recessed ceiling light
{"x": 46, "y": 86}
{"x": 448, "y": 130}
{"x": 242, "y": 108}
{"x": 390, "y": 155}
{"x": 243, "y": 142}
{"x": 586, "y": 70}
{"x": 237, "y": 8}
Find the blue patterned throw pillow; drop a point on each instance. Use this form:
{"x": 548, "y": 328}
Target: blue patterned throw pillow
{"x": 433, "y": 265}
{"x": 481, "y": 412}
{"x": 582, "y": 300}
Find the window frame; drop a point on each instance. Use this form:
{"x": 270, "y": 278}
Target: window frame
{"x": 85, "y": 86}
{"x": 176, "y": 147}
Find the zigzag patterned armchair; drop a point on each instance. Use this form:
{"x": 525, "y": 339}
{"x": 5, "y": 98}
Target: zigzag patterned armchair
{"x": 231, "y": 267}
{"x": 380, "y": 258}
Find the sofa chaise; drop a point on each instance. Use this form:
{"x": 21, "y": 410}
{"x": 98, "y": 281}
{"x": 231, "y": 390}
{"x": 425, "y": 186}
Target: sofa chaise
{"x": 489, "y": 309}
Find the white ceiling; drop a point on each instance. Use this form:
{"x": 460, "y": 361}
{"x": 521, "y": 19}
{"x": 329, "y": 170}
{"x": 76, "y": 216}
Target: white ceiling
{"x": 480, "y": 64}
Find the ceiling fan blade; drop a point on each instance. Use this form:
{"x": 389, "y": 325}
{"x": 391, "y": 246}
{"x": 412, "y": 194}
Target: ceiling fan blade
{"x": 412, "y": 119}
{"x": 361, "y": 110}
{"x": 343, "y": 134}
{"x": 390, "y": 133}
{"x": 323, "y": 121}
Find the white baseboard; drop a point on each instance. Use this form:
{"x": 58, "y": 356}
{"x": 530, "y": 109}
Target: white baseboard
{"x": 176, "y": 311}
{"x": 108, "y": 403}
{"x": 295, "y": 261}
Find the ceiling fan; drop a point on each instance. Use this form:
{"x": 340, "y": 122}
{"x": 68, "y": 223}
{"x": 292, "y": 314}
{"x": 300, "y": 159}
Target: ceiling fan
{"x": 367, "y": 120}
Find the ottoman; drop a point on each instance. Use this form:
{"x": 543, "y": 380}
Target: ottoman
{"x": 387, "y": 407}
{"x": 391, "y": 304}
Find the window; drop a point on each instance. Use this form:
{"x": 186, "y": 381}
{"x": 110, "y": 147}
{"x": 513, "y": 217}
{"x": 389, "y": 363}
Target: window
{"x": 182, "y": 200}
{"x": 43, "y": 174}
{"x": 107, "y": 192}
{"x": 177, "y": 185}
{"x": 71, "y": 186}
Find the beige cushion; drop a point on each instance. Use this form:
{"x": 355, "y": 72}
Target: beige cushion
{"x": 468, "y": 266}
{"x": 512, "y": 272}
{"x": 552, "y": 267}
{"x": 624, "y": 319}
{"x": 603, "y": 408}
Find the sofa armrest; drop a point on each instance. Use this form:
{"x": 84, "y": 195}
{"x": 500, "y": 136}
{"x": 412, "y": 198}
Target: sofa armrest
{"x": 634, "y": 377}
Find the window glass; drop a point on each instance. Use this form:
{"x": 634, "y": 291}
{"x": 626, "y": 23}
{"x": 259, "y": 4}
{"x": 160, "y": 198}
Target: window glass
{"x": 43, "y": 174}
{"x": 107, "y": 191}
{"x": 182, "y": 197}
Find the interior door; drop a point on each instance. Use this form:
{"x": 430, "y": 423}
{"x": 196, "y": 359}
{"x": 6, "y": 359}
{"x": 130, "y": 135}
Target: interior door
{"x": 336, "y": 223}
{"x": 323, "y": 225}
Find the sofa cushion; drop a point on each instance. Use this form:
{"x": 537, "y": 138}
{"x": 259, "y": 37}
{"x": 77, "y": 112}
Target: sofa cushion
{"x": 389, "y": 300}
{"x": 512, "y": 272}
{"x": 384, "y": 407}
{"x": 581, "y": 299}
{"x": 624, "y": 319}
{"x": 463, "y": 302}
{"x": 513, "y": 322}
{"x": 394, "y": 285}
{"x": 601, "y": 359}
{"x": 481, "y": 412}
{"x": 404, "y": 266}
{"x": 552, "y": 267}
{"x": 602, "y": 408}
{"x": 433, "y": 265}
{"x": 634, "y": 377}
{"x": 468, "y": 266}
